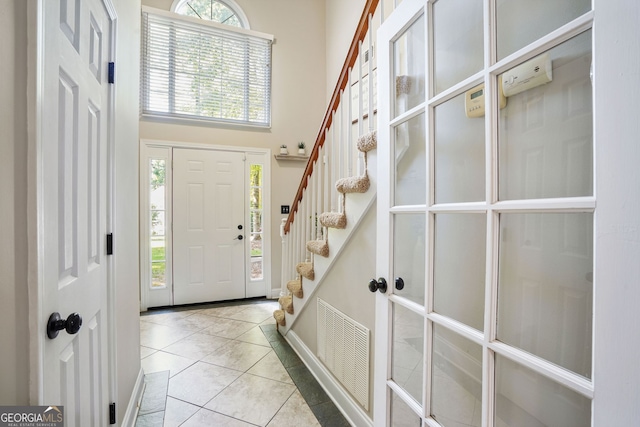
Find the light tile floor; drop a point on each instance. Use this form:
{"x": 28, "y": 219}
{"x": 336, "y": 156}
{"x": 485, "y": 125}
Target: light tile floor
{"x": 226, "y": 365}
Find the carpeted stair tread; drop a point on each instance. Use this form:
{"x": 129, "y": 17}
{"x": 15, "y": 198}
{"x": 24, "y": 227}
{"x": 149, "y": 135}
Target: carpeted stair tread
{"x": 353, "y": 184}
{"x": 367, "y": 142}
{"x": 318, "y": 247}
{"x": 280, "y": 318}
{"x": 333, "y": 220}
{"x": 295, "y": 287}
{"x": 286, "y": 302}
{"x": 305, "y": 269}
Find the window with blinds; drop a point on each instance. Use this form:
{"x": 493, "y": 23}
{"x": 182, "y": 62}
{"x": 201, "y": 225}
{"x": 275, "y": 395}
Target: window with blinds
{"x": 201, "y": 70}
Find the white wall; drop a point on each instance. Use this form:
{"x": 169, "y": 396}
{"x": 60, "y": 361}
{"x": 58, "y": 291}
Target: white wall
{"x": 341, "y": 22}
{"x": 346, "y": 288}
{"x": 298, "y": 98}
{"x": 126, "y": 251}
{"x": 14, "y": 334}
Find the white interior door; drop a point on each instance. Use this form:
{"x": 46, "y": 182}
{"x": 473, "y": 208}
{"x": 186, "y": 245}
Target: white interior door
{"x": 487, "y": 220}
{"x": 208, "y": 226}
{"x": 73, "y": 193}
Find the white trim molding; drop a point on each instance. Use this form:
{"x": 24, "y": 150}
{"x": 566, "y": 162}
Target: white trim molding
{"x": 133, "y": 407}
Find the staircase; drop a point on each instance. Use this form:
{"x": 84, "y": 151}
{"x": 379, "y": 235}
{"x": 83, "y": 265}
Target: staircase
{"x": 331, "y": 230}
{"x": 338, "y": 185}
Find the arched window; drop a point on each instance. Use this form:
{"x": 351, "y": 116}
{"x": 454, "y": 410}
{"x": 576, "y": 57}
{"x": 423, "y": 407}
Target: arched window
{"x": 202, "y": 70}
{"x": 224, "y": 12}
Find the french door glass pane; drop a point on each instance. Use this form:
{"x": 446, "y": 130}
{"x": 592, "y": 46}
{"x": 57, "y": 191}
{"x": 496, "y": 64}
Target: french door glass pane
{"x": 458, "y": 41}
{"x": 459, "y": 267}
{"x": 407, "y": 356}
{"x": 410, "y": 155}
{"x": 408, "y": 68}
{"x": 546, "y": 131}
{"x": 521, "y": 22}
{"x": 545, "y": 286}
{"x": 409, "y": 256}
{"x": 459, "y": 154}
{"x": 456, "y": 379}
{"x": 401, "y": 414}
{"x": 525, "y": 398}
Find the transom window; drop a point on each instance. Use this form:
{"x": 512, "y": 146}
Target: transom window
{"x": 223, "y": 12}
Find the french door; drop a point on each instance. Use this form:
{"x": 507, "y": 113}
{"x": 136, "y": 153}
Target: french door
{"x": 486, "y": 212}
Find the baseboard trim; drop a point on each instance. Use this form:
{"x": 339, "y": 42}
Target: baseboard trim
{"x": 131, "y": 414}
{"x": 275, "y": 293}
{"x": 345, "y": 403}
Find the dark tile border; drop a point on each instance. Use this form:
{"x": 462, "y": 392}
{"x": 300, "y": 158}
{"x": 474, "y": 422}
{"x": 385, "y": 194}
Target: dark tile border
{"x": 320, "y": 403}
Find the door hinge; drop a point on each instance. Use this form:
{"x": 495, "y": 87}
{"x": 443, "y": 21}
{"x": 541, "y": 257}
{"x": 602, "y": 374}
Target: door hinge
{"x": 112, "y": 72}
{"x": 110, "y": 244}
{"x": 112, "y": 413}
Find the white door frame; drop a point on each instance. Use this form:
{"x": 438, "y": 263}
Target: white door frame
{"x": 145, "y": 145}
{"x": 36, "y": 214}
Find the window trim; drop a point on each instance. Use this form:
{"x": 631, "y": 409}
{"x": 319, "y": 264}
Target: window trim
{"x": 172, "y": 116}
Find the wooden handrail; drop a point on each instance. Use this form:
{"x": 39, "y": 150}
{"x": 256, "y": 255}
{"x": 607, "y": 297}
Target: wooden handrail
{"x": 343, "y": 79}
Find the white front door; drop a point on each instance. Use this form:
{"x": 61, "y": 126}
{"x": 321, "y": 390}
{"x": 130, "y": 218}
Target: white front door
{"x": 208, "y": 226}
{"x": 73, "y": 207}
{"x": 485, "y": 219}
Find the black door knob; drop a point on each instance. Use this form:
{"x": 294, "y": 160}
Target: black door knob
{"x": 378, "y": 285}
{"x": 55, "y": 324}
{"x": 240, "y": 227}
{"x": 399, "y": 283}
{"x": 240, "y": 237}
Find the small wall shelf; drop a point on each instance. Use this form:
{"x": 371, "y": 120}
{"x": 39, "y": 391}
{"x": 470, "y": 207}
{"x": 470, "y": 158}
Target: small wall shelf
{"x": 293, "y": 157}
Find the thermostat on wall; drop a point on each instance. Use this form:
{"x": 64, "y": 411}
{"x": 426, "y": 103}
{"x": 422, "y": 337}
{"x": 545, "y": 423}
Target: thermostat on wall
{"x": 535, "y": 72}
{"x": 474, "y": 100}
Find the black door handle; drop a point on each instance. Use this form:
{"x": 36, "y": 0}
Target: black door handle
{"x": 240, "y": 237}
{"x": 399, "y": 283}
{"x": 378, "y": 285}
{"x": 55, "y": 324}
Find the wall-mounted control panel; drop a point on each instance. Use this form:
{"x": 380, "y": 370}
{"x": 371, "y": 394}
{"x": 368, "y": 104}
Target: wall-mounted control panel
{"x": 474, "y": 100}
{"x": 284, "y": 209}
{"x": 534, "y": 72}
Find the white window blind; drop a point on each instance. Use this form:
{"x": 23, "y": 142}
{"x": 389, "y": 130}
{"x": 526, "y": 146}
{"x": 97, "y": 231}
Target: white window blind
{"x": 201, "y": 70}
